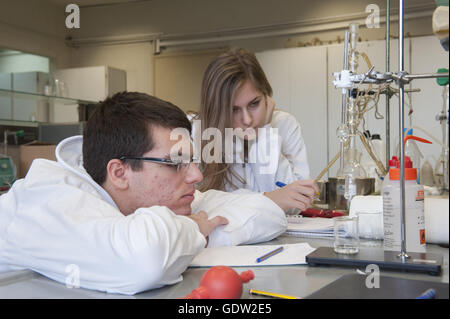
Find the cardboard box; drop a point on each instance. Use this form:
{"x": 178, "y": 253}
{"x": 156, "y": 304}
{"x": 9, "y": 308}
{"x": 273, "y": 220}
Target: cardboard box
{"x": 33, "y": 150}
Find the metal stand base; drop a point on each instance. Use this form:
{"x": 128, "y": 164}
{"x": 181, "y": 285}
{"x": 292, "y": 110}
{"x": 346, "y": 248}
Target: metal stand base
{"x": 354, "y": 286}
{"x": 417, "y": 262}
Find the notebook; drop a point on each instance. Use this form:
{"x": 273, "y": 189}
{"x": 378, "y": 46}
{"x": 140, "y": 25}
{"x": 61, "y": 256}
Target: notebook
{"x": 310, "y": 227}
{"x": 240, "y": 256}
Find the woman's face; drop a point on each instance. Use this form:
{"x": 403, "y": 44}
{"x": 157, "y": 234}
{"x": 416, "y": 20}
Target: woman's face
{"x": 249, "y": 110}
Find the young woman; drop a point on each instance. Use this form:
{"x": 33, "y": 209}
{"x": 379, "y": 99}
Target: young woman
{"x": 268, "y": 146}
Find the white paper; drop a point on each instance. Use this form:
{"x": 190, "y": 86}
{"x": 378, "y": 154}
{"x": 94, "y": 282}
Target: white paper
{"x": 307, "y": 224}
{"x": 235, "y": 256}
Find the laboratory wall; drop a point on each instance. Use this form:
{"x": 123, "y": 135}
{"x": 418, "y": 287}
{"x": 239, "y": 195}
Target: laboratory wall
{"x": 178, "y": 77}
{"x": 35, "y": 27}
{"x": 110, "y": 34}
{"x": 427, "y": 56}
{"x": 38, "y": 27}
{"x": 299, "y": 43}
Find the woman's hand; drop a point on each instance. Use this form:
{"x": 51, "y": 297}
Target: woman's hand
{"x": 299, "y": 194}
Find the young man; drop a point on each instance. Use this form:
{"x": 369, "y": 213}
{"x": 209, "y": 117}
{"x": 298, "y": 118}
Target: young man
{"x": 119, "y": 209}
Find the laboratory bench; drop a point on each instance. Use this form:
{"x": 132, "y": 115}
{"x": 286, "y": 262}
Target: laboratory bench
{"x": 294, "y": 280}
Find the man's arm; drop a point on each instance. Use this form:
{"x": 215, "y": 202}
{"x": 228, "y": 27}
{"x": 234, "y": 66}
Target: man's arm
{"x": 58, "y": 226}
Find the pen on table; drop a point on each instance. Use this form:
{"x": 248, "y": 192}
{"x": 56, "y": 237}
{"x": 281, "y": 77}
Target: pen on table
{"x": 269, "y": 254}
{"x": 281, "y": 184}
{"x": 428, "y": 294}
{"x": 270, "y": 294}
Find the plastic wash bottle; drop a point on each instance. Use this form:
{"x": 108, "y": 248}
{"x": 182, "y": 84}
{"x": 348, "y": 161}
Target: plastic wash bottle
{"x": 414, "y": 210}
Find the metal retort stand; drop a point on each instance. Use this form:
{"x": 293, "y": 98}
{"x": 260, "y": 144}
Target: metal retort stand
{"x": 403, "y": 260}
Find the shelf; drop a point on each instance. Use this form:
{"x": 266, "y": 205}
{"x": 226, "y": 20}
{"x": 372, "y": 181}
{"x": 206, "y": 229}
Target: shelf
{"x": 50, "y": 99}
{"x": 42, "y": 97}
{"x": 18, "y": 123}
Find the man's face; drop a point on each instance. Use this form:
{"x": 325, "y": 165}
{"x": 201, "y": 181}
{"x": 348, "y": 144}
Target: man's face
{"x": 163, "y": 185}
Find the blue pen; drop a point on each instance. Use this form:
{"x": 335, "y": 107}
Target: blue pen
{"x": 280, "y": 184}
{"x": 269, "y": 254}
{"x": 428, "y": 294}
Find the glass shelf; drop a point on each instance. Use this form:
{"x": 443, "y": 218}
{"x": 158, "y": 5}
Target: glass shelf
{"x": 42, "y": 97}
{"x": 39, "y": 98}
{"x": 6, "y": 122}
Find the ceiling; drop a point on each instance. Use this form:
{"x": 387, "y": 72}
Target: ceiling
{"x": 90, "y": 3}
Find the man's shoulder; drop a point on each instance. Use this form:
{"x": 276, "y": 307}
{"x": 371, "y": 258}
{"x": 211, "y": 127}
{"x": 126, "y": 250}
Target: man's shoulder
{"x": 44, "y": 172}
{"x": 43, "y": 169}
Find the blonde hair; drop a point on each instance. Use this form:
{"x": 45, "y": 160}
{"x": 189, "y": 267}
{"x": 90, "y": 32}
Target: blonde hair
{"x": 222, "y": 78}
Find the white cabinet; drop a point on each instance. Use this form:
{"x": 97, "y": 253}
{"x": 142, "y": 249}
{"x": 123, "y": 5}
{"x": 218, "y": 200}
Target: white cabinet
{"x": 92, "y": 83}
{"x": 5, "y": 100}
{"x": 88, "y": 83}
{"x": 25, "y": 108}
{"x": 299, "y": 83}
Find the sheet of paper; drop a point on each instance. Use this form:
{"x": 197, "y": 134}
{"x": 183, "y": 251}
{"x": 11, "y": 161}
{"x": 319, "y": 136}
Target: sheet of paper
{"x": 235, "y": 256}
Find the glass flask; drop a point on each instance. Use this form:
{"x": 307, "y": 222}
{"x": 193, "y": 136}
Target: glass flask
{"x": 351, "y": 171}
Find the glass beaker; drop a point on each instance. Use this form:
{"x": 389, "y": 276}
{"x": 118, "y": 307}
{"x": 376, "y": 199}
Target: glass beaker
{"x": 346, "y": 235}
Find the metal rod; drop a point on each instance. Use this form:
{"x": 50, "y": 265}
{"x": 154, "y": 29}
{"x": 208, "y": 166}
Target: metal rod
{"x": 446, "y": 160}
{"x": 344, "y": 100}
{"x": 402, "y": 254}
{"x": 388, "y": 54}
{"x": 346, "y": 49}
{"x": 426, "y": 76}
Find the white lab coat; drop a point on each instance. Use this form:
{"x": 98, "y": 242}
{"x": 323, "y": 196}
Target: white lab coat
{"x": 58, "y": 222}
{"x": 279, "y": 157}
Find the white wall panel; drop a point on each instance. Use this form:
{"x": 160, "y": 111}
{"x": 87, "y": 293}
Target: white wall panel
{"x": 428, "y": 56}
{"x": 302, "y": 82}
{"x": 298, "y": 79}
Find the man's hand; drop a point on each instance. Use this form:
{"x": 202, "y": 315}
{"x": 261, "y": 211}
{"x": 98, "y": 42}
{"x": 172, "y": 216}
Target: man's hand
{"x": 206, "y": 225}
{"x": 299, "y": 194}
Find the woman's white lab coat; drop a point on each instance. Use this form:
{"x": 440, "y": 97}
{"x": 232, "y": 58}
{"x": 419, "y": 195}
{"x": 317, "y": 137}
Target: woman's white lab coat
{"x": 280, "y": 155}
{"x": 58, "y": 222}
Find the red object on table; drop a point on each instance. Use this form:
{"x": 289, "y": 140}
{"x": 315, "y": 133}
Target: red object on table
{"x": 221, "y": 282}
{"x": 324, "y": 213}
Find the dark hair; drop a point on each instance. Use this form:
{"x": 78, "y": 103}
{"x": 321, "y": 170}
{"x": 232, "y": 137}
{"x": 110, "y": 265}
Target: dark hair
{"x": 121, "y": 126}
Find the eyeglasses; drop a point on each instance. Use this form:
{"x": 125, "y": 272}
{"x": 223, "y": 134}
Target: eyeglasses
{"x": 180, "y": 165}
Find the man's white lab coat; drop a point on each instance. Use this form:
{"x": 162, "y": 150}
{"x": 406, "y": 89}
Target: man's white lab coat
{"x": 57, "y": 220}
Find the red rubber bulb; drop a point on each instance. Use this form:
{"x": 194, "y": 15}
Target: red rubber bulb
{"x": 198, "y": 293}
{"x": 221, "y": 282}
